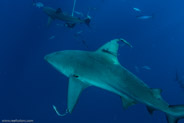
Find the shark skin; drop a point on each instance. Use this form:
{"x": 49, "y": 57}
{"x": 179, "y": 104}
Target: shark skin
{"x": 102, "y": 69}
{"x": 59, "y": 15}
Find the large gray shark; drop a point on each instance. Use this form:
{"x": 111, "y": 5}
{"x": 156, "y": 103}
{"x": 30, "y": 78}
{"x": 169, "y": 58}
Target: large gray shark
{"x": 102, "y": 69}
{"x": 58, "y": 14}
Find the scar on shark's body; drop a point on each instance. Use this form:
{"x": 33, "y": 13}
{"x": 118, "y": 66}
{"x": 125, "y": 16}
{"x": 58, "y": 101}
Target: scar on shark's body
{"x": 102, "y": 69}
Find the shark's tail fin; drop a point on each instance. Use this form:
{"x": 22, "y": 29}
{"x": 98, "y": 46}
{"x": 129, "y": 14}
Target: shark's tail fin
{"x": 87, "y": 21}
{"x": 178, "y": 113}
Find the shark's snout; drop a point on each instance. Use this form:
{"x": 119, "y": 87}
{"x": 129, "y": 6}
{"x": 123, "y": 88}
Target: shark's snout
{"x": 53, "y": 57}
{"x": 47, "y": 57}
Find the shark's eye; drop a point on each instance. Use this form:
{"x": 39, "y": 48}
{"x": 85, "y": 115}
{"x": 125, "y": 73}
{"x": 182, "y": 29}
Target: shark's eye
{"x": 76, "y": 76}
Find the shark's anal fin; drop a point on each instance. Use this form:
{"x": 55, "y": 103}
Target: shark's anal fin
{"x": 127, "y": 102}
{"x": 75, "y": 88}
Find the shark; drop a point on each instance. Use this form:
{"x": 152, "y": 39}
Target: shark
{"x": 102, "y": 69}
{"x": 70, "y": 21}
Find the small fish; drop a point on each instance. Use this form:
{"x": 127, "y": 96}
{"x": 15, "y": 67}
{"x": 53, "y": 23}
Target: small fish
{"x": 146, "y": 67}
{"x": 38, "y": 4}
{"x": 52, "y": 37}
{"x": 137, "y": 9}
{"x": 77, "y": 34}
{"x": 144, "y": 17}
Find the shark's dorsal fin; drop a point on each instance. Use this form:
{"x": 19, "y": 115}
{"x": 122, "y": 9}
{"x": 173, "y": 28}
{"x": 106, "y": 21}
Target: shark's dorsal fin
{"x": 75, "y": 88}
{"x": 110, "y": 50}
{"x": 58, "y": 11}
{"x": 127, "y": 102}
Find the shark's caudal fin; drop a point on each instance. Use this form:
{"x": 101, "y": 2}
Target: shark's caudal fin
{"x": 87, "y": 21}
{"x": 179, "y": 111}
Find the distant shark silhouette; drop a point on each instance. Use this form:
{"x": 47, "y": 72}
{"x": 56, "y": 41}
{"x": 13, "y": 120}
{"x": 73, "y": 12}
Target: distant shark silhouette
{"x": 102, "y": 69}
{"x": 71, "y": 21}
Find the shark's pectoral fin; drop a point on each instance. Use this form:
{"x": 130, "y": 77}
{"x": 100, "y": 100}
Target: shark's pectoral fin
{"x": 110, "y": 50}
{"x": 127, "y": 102}
{"x": 75, "y": 88}
{"x": 50, "y": 19}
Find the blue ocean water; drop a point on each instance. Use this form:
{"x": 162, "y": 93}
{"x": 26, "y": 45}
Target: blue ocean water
{"x": 29, "y": 86}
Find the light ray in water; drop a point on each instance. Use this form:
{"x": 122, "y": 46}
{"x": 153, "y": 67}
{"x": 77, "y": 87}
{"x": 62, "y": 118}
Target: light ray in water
{"x": 73, "y": 7}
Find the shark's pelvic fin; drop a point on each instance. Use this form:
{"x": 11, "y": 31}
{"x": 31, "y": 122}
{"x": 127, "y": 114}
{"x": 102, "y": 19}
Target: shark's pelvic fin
{"x": 50, "y": 19}
{"x": 75, "y": 88}
{"x": 127, "y": 102}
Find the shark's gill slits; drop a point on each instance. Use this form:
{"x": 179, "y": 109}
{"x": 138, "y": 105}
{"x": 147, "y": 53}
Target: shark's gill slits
{"x": 75, "y": 75}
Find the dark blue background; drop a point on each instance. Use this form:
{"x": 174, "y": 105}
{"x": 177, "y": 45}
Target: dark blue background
{"x": 29, "y": 86}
